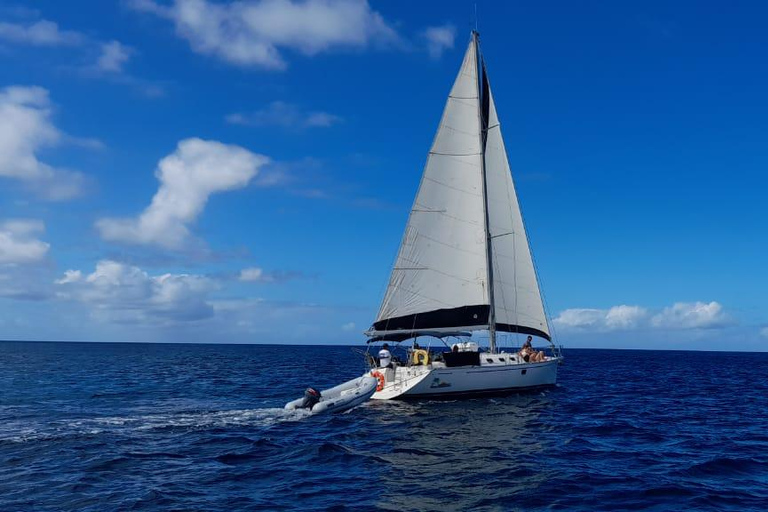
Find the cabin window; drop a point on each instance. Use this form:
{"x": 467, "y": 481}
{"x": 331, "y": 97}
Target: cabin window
{"x": 501, "y": 359}
{"x": 524, "y": 372}
{"x": 489, "y": 360}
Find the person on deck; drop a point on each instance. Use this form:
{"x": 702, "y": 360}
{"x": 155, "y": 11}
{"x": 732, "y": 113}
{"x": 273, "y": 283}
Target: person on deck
{"x": 385, "y": 357}
{"x": 529, "y": 354}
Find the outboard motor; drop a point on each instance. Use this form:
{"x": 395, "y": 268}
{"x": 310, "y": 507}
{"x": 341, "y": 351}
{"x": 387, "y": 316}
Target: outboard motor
{"x": 311, "y": 397}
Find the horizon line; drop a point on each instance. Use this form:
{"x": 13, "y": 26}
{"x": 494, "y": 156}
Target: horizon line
{"x": 353, "y": 345}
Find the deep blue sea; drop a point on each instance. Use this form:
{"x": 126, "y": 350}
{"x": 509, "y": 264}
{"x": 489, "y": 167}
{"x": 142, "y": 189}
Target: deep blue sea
{"x": 100, "y": 427}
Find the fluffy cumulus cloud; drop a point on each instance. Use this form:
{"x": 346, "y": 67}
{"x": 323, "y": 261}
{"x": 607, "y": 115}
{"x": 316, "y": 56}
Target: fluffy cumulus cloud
{"x": 183, "y": 307}
{"x": 697, "y": 315}
{"x": 439, "y": 39}
{"x": 254, "y": 32}
{"x": 113, "y": 56}
{"x": 25, "y": 129}
{"x": 285, "y": 115}
{"x": 39, "y": 33}
{"x": 615, "y": 318}
{"x": 126, "y": 294}
{"x": 188, "y": 177}
{"x": 18, "y": 242}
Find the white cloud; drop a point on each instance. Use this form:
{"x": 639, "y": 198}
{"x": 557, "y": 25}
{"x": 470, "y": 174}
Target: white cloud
{"x": 285, "y": 115}
{"x": 113, "y": 57}
{"x": 348, "y": 327}
{"x": 321, "y": 119}
{"x": 764, "y": 332}
{"x": 696, "y": 315}
{"x": 18, "y": 244}
{"x": 39, "y": 33}
{"x": 107, "y": 58}
{"x": 251, "y": 274}
{"x": 23, "y": 226}
{"x": 439, "y": 39}
{"x": 615, "y": 318}
{"x": 253, "y": 32}
{"x": 25, "y": 129}
{"x": 70, "y": 276}
{"x": 256, "y": 274}
{"x": 625, "y": 317}
{"x": 579, "y": 317}
{"x": 126, "y": 294}
{"x": 188, "y": 177}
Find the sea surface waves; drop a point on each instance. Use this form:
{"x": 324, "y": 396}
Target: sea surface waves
{"x": 97, "y": 427}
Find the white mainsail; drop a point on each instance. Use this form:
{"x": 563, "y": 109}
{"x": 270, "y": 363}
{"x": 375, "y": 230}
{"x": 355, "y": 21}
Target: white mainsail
{"x": 441, "y": 263}
{"x": 440, "y": 281}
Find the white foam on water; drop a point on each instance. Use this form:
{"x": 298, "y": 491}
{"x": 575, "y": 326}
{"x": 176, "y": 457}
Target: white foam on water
{"x": 263, "y": 417}
{"x": 201, "y": 419}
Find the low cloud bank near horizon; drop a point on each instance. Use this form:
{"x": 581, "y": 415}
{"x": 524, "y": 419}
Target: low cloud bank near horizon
{"x": 681, "y": 315}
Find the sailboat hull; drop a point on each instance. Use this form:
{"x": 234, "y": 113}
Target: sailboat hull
{"x": 466, "y": 381}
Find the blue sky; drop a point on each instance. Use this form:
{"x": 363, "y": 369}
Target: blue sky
{"x": 205, "y": 171}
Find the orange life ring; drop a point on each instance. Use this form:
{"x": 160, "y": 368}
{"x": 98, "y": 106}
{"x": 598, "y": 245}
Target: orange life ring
{"x": 380, "y": 379}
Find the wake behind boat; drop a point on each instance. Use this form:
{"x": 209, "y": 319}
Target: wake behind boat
{"x": 464, "y": 263}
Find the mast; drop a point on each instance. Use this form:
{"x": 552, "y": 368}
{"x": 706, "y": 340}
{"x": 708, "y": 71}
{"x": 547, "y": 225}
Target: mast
{"x": 482, "y": 113}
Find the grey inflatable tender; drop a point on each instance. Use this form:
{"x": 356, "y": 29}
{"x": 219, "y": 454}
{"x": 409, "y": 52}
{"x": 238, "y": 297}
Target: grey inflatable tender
{"x": 336, "y": 399}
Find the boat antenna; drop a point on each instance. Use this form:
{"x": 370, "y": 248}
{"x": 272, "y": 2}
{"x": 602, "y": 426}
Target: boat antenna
{"x": 475, "y": 20}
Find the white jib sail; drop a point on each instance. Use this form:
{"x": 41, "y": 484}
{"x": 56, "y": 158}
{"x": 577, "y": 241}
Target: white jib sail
{"x": 517, "y": 296}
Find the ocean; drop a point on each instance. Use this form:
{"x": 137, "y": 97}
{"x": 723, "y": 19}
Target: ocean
{"x": 101, "y": 427}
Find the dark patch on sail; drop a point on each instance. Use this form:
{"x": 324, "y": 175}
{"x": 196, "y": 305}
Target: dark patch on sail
{"x": 485, "y": 102}
{"x": 523, "y": 330}
{"x": 463, "y": 316}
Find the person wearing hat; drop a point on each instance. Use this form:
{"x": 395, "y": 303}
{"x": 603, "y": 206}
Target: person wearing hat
{"x": 385, "y": 357}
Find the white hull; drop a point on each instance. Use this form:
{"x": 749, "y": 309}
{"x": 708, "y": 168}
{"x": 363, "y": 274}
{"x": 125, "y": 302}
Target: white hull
{"x": 436, "y": 380}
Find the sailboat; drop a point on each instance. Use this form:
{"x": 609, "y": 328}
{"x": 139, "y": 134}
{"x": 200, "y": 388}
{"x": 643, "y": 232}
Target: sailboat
{"x": 464, "y": 264}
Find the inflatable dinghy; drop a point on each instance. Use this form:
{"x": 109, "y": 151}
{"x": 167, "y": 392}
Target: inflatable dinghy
{"x": 340, "y": 398}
